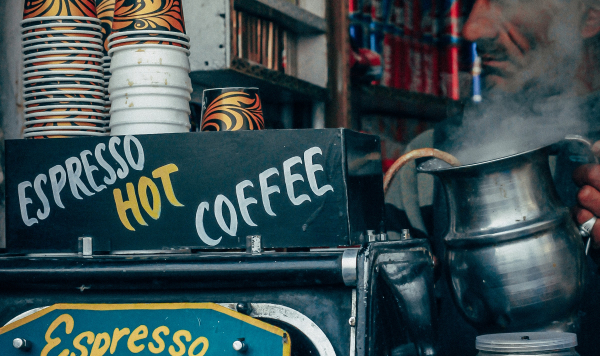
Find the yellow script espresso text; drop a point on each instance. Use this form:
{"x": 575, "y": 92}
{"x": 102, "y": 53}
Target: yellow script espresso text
{"x": 89, "y": 344}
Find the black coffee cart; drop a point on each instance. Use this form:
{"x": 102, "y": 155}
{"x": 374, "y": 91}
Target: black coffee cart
{"x": 281, "y": 226}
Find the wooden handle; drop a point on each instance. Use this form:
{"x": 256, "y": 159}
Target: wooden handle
{"x": 412, "y": 155}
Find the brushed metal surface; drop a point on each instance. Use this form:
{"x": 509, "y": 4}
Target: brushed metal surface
{"x": 514, "y": 257}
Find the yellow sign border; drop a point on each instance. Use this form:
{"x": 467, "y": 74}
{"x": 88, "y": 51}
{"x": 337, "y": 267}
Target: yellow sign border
{"x": 152, "y": 306}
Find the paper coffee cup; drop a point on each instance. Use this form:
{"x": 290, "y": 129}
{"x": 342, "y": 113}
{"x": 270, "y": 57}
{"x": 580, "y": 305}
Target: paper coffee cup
{"x": 134, "y": 56}
{"x": 61, "y": 134}
{"x": 34, "y": 21}
{"x": 167, "y": 17}
{"x": 63, "y": 34}
{"x": 91, "y": 89}
{"x": 97, "y": 122}
{"x": 146, "y": 128}
{"x": 73, "y": 54}
{"x": 61, "y": 40}
{"x": 69, "y": 126}
{"x": 67, "y": 114}
{"x": 50, "y": 8}
{"x": 94, "y": 108}
{"x": 61, "y": 60}
{"x": 44, "y": 83}
{"x": 231, "y": 109}
{"x": 59, "y": 73}
{"x": 61, "y": 27}
{"x": 46, "y": 48}
{"x": 63, "y": 94}
{"x": 149, "y": 76}
{"x": 149, "y": 41}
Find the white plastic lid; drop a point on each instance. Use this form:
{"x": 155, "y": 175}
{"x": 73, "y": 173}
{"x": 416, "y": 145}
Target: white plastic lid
{"x": 526, "y": 341}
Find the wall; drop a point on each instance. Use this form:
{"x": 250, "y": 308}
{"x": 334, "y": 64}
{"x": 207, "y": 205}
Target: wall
{"x": 11, "y": 97}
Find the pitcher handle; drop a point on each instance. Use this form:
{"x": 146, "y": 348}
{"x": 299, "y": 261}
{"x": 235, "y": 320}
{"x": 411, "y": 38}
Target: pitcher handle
{"x": 588, "y": 143}
{"x": 585, "y": 141}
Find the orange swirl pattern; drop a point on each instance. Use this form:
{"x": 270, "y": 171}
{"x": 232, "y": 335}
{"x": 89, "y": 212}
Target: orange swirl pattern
{"x": 163, "y": 15}
{"x": 233, "y": 111}
{"x": 45, "y": 8}
{"x": 106, "y": 13}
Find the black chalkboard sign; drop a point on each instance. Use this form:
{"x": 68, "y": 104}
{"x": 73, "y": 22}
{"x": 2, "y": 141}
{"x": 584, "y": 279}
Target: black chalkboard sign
{"x": 207, "y": 190}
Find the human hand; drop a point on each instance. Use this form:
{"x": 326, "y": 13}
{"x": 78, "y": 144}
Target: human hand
{"x": 587, "y": 177}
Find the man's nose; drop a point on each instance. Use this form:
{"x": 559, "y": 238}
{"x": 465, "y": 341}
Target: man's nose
{"x": 482, "y": 22}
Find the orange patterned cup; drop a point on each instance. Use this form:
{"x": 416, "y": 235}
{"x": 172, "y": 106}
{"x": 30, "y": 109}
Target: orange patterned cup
{"x": 106, "y": 13}
{"x": 160, "y": 15}
{"x": 66, "y": 8}
{"x": 231, "y": 109}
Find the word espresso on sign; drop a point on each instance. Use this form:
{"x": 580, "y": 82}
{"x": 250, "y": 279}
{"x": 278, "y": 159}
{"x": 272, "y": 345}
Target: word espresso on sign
{"x": 132, "y": 341}
{"x": 265, "y": 191}
{"x": 55, "y": 181}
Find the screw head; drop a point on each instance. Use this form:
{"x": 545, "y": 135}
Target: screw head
{"x": 352, "y": 321}
{"x": 21, "y": 344}
{"x": 244, "y": 308}
{"x": 240, "y": 346}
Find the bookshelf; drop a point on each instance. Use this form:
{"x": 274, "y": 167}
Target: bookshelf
{"x": 230, "y": 50}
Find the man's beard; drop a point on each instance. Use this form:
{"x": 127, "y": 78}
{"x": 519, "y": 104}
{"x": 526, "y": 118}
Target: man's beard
{"x": 545, "y": 70}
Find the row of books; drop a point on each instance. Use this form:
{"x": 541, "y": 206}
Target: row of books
{"x": 263, "y": 42}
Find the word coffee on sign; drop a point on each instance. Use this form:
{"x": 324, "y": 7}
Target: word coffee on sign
{"x": 266, "y": 190}
{"x": 75, "y": 171}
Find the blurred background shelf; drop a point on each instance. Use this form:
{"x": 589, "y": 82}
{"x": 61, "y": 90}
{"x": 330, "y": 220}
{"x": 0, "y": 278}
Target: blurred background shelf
{"x": 380, "y": 100}
{"x": 285, "y": 13}
{"x": 275, "y": 86}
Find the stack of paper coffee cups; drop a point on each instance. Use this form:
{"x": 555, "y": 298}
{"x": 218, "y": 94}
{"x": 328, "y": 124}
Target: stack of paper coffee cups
{"x": 106, "y": 11}
{"x": 149, "y": 85}
{"x": 62, "y": 75}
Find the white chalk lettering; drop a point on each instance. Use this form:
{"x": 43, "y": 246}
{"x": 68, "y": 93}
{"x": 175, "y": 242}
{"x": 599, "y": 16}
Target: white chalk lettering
{"x": 89, "y": 169}
{"x": 40, "y": 193}
{"x": 291, "y": 178}
{"x": 84, "y": 176}
{"x": 233, "y": 222}
{"x": 73, "y": 175}
{"x": 311, "y": 168}
{"x": 57, "y": 186}
{"x": 243, "y": 202}
{"x": 124, "y": 170}
{"x": 266, "y": 190}
{"x": 23, "y": 201}
{"x": 139, "y": 165}
{"x": 112, "y": 176}
{"x": 200, "y": 226}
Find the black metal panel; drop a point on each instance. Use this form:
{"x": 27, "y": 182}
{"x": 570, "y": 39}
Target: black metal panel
{"x": 397, "y": 308}
{"x": 308, "y": 283}
{"x": 197, "y": 190}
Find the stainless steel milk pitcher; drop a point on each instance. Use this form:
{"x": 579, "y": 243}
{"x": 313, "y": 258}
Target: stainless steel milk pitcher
{"x": 514, "y": 257}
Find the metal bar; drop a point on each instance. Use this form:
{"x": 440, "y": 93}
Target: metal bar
{"x": 218, "y": 270}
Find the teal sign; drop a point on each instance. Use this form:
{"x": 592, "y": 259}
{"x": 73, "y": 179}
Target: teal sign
{"x": 177, "y": 329}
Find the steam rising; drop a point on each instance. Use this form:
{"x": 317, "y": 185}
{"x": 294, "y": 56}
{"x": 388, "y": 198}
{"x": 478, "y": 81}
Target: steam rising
{"x": 538, "y": 101}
